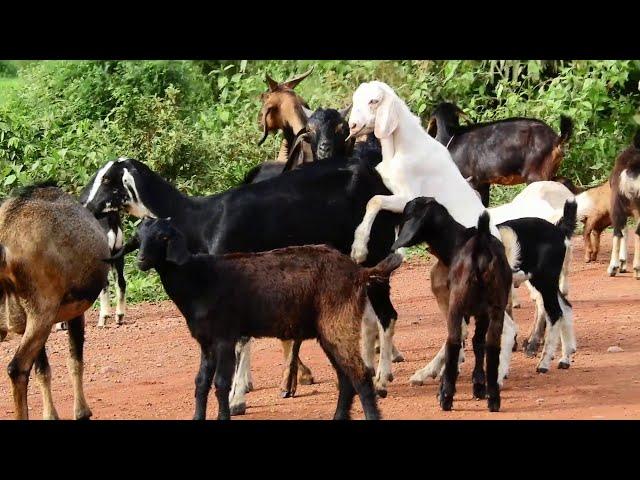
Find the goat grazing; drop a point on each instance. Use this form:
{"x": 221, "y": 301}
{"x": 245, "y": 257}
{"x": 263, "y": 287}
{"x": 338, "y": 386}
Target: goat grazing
{"x": 594, "y": 207}
{"x": 287, "y": 210}
{"x": 625, "y": 201}
{"x": 319, "y": 293}
{"x": 505, "y": 152}
{"x": 479, "y": 283}
{"x": 50, "y": 271}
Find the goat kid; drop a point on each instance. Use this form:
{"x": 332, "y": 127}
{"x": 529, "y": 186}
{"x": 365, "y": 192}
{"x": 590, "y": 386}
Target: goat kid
{"x": 320, "y": 294}
{"x": 594, "y": 207}
{"x": 479, "y": 281}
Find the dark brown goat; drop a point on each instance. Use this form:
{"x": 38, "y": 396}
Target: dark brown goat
{"x": 317, "y": 293}
{"x": 625, "y": 201}
{"x": 478, "y": 281}
{"x": 505, "y": 152}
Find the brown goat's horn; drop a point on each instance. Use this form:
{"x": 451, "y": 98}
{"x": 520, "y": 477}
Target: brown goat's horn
{"x": 291, "y": 83}
{"x": 273, "y": 85}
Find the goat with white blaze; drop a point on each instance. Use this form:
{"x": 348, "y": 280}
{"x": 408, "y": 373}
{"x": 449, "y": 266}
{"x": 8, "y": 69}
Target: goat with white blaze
{"x": 413, "y": 165}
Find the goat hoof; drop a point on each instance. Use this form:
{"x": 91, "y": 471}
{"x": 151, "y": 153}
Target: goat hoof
{"x": 239, "y": 409}
{"x": 446, "y": 403}
{"x": 398, "y": 358}
{"x": 623, "y": 266}
{"x": 612, "y": 271}
{"x": 636, "y": 273}
{"x": 287, "y": 394}
{"x": 390, "y": 377}
{"x": 382, "y": 392}
{"x": 84, "y": 415}
{"x": 563, "y": 365}
{"x": 479, "y": 391}
{"x": 542, "y": 370}
{"x": 494, "y": 404}
{"x": 120, "y": 319}
{"x": 416, "y": 381}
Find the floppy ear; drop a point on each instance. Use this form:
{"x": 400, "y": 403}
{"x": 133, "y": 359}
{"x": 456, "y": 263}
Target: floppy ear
{"x": 296, "y": 156}
{"x": 409, "y": 233}
{"x": 177, "y": 251}
{"x": 265, "y": 131}
{"x": 386, "y": 116}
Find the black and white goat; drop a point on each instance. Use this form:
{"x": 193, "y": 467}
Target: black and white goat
{"x": 479, "y": 280}
{"x": 318, "y": 293}
{"x": 287, "y": 210}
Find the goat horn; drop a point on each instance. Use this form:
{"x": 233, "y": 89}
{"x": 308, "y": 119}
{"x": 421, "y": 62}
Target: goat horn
{"x": 291, "y": 83}
{"x": 345, "y": 111}
{"x": 273, "y": 85}
{"x": 307, "y": 112}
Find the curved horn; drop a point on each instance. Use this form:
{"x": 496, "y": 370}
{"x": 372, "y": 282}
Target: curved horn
{"x": 130, "y": 246}
{"x": 291, "y": 83}
{"x": 273, "y": 85}
{"x": 265, "y": 131}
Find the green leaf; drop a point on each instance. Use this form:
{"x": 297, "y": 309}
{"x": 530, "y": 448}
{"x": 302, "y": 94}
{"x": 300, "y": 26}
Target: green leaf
{"x": 10, "y": 180}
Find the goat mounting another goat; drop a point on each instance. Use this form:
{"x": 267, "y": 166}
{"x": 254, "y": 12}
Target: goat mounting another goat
{"x": 51, "y": 271}
{"x": 319, "y": 293}
{"x": 506, "y": 152}
{"x": 479, "y": 281}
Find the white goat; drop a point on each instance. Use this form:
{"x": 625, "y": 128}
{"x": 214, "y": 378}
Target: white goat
{"x": 413, "y": 165}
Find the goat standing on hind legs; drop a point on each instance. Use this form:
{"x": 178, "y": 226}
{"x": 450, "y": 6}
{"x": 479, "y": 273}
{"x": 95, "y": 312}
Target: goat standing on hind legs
{"x": 50, "y": 271}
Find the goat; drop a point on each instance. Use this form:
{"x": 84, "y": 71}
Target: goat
{"x": 282, "y": 110}
{"x": 319, "y": 293}
{"x": 50, "y": 272}
{"x": 413, "y": 165}
{"x": 322, "y": 138}
{"x": 506, "y": 152}
{"x": 479, "y": 284}
{"x": 594, "y": 207}
{"x": 625, "y": 201}
{"x": 112, "y": 227}
{"x": 537, "y": 248}
{"x": 287, "y": 210}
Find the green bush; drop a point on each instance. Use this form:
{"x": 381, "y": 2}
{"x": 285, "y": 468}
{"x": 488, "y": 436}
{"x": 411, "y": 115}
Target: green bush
{"x": 195, "y": 122}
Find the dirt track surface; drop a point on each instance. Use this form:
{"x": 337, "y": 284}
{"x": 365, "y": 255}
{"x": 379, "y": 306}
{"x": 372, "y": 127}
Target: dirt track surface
{"x": 145, "y": 369}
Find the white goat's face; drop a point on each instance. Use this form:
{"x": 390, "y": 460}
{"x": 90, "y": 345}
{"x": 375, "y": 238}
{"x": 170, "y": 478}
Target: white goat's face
{"x": 366, "y": 99}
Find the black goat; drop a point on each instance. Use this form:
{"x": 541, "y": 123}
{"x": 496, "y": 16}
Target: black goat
{"x": 540, "y": 251}
{"x": 317, "y": 204}
{"x": 318, "y": 293}
{"x": 505, "y": 152}
{"x": 479, "y": 281}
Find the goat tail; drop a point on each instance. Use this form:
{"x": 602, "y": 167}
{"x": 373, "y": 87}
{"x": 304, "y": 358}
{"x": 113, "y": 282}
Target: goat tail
{"x": 567, "y": 223}
{"x": 482, "y": 256}
{"x": 566, "y": 129}
{"x": 382, "y": 270}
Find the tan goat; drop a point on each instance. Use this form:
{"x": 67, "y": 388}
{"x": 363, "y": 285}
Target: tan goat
{"x": 51, "y": 270}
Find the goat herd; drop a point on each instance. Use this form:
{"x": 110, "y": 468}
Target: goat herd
{"x": 270, "y": 258}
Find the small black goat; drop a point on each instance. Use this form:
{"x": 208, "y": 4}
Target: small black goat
{"x": 318, "y": 293}
{"x": 479, "y": 283}
{"x": 506, "y": 152}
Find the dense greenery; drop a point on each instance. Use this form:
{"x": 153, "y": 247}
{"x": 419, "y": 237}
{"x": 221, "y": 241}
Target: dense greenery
{"x": 195, "y": 122}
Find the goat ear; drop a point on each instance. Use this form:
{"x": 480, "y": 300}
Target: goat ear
{"x": 177, "y": 251}
{"x": 273, "y": 85}
{"x": 345, "y": 111}
{"x": 296, "y": 155}
{"x": 291, "y": 83}
{"x": 432, "y": 127}
{"x": 409, "y": 233}
{"x": 265, "y": 131}
{"x": 386, "y": 116}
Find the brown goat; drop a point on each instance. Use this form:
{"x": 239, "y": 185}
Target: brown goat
{"x": 625, "y": 201}
{"x": 283, "y": 110}
{"x": 593, "y": 212}
{"x": 50, "y": 271}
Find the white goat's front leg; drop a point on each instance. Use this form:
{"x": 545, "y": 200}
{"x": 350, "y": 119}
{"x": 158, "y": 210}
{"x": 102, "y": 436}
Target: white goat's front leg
{"x": 550, "y": 345}
{"x": 104, "y": 306}
{"x": 532, "y": 343}
{"x": 508, "y": 338}
{"x": 383, "y": 374}
{"x": 623, "y": 251}
{"x": 241, "y": 378}
{"x": 393, "y": 203}
{"x": 614, "y": 263}
{"x": 436, "y": 366}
